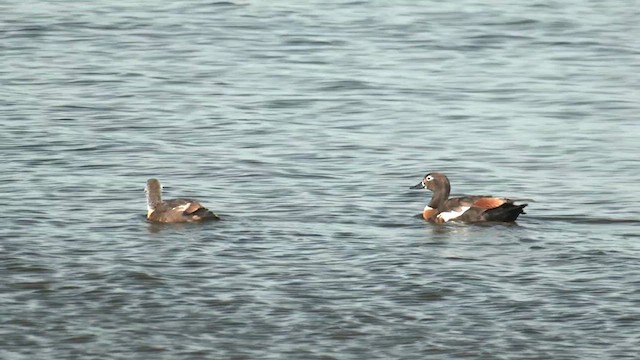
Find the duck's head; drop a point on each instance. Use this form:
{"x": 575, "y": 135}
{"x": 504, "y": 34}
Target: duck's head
{"x": 153, "y": 187}
{"x": 433, "y": 181}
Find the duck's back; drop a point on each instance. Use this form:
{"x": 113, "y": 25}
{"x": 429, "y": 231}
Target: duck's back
{"x": 479, "y": 209}
{"x": 181, "y": 210}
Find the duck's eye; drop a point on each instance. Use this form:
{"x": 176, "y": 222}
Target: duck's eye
{"x": 428, "y": 178}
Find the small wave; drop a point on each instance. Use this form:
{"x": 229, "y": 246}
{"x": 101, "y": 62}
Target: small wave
{"x": 584, "y": 220}
{"x": 346, "y": 85}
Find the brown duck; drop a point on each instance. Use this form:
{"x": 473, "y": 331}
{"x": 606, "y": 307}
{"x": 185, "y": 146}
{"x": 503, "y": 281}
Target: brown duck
{"x": 468, "y": 209}
{"x": 174, "y": 210}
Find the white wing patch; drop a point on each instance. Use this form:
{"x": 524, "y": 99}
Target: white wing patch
{"x": 182, "y": 207}
{"x": 450, "y": 215}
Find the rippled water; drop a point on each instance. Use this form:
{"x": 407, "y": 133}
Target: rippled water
{"x": 303, "y": 124}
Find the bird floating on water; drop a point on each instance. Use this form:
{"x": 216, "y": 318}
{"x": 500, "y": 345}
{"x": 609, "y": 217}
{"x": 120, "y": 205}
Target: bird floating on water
{"x": 469, "y": 209}
{"x": 174, "y": 210}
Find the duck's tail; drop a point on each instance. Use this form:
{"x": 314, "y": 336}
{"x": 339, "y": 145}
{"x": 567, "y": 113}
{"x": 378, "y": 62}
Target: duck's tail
{"x": 507, "y": 212}
{"x": 204, "y": 214}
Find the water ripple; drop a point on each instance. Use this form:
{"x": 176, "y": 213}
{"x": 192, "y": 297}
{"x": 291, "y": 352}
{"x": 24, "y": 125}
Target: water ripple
{"x": 303, "y": 124}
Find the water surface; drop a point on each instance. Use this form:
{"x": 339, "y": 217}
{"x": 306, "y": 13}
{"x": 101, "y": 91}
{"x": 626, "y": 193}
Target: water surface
{"x": 303, "y": 125}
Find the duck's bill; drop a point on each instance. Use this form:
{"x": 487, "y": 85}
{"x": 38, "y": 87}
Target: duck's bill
{"x": 420, "y": 185}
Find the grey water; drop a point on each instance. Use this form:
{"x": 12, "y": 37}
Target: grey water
{"x": 303, "y": 124}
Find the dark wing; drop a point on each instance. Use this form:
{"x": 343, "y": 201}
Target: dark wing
{"x": 507, "y": 212}
{"x": 186, "y": 206}
{"x": 469, "y": 208}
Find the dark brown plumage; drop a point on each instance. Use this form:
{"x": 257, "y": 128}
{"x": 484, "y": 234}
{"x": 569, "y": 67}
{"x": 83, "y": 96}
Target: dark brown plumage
{"x": 174, "y": 210}
{"x": 469, "y": 209}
